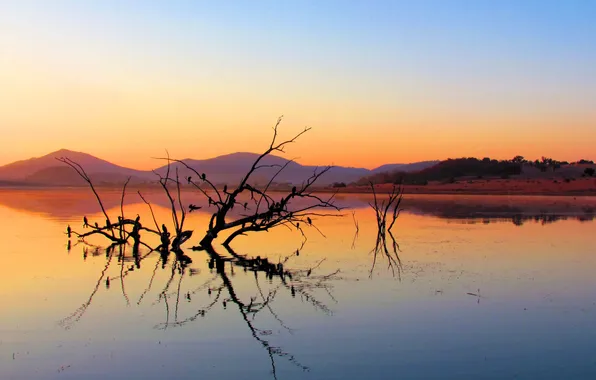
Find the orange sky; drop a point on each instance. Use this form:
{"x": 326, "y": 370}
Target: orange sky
{"x": 153, "y": 80}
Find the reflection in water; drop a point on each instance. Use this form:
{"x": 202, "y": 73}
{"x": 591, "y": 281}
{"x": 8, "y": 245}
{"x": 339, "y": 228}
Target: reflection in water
{"x": 220, "y": 289}
{"x": 477, "y": 300}
{"x": 392, "y": 256}
{"x": 381, "y": 208}
{"x": 68, "y": 204}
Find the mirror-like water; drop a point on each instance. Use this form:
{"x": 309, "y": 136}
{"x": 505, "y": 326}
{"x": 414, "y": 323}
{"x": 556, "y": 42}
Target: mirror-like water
{"x": 488, "y": 287}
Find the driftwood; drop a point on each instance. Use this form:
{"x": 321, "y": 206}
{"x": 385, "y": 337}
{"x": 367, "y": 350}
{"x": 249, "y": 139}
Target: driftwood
{"x": 262, "y": 213}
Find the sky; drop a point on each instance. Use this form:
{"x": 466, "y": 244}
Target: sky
{"x": 378, "y": 81}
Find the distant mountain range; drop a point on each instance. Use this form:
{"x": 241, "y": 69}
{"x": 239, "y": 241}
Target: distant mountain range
{"x": 226, "y": 169}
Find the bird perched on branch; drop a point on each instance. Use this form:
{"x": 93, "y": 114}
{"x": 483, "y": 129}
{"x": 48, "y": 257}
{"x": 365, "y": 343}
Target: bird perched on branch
{"x": 192, "y": 208}
{"x": 85, "y": 222}
{"x": 203, "y": 177}
{"x": 294, "y": 190}
{"x": 68, "y": 231}
{"x": 189, "y": 179}
{"x": 309, "y": 220}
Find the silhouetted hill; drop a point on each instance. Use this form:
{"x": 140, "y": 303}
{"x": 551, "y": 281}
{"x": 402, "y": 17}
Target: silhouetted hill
{"x": 231, "y": 168}
{"x": 413, "y": 167}
{"x": 46, "y": 170}
{"x": 450, "y": 169}
{"x": 225, "y": 169}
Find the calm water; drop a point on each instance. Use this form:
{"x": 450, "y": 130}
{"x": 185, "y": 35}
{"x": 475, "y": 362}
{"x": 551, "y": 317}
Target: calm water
{"x": 488, "y": 288}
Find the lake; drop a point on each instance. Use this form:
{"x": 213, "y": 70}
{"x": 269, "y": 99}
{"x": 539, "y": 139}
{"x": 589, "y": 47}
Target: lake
{"x": 482, "y": 287}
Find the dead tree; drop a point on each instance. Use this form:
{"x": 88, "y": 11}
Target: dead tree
{"x": 392, "y": 204}
{"x": 264, "y": 211}
{"x": 116, "y": 232}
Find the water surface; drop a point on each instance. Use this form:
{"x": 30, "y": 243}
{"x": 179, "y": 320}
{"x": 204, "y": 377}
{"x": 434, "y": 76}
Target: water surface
{"x": 488, "y": 288}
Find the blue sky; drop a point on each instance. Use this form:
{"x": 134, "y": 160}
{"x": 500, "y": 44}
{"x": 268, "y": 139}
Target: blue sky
{"x": 479, "y": 69}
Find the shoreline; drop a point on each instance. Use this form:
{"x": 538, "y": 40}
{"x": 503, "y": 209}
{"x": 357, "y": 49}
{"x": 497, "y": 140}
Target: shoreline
{"x": 496, "y": 187}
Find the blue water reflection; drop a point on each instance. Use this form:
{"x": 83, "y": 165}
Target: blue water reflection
{"x": 482, "y": 300}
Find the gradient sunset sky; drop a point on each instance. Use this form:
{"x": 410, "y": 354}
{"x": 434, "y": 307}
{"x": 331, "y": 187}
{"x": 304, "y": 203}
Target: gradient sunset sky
{"x": 379, "y": 81}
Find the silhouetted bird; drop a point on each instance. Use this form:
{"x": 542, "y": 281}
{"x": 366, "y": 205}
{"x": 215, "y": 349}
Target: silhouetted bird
{"x": 188, "y": 296}
{"x": 209, "y": 291}
{"x": 309, "y": 220}
{"x": 137, "y": 219}
{"x": 203, "y": 177}
{"x": 107, "y": 282}
{"x": 293, "y": 190}
{"x": 96, "y": 225}
{"x": 85, "y": 222}
{"x": 108, "y": 223}
{"x": 189, "y": 179}
{"x": 309, "y": 272}
{"x": 245, "y": 205}
{"x": 225, "y": 188}
{"x": 192, "y": 208}
{"x": 298, "y": 225}
{"x": 68, "y": 231}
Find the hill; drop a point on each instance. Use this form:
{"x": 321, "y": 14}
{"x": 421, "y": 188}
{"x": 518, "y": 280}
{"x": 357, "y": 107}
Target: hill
{"x": 406, "y": 168}
{"x": 46, "y": 170}
{"x": 231, "y": 168}
{"x": 452, "y": 170}
{"x": 225, "y": 169}
{"x": 447, "y": 170}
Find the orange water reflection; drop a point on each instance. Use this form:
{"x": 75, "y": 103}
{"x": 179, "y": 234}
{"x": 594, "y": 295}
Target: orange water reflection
{"x": 542, "y": 267}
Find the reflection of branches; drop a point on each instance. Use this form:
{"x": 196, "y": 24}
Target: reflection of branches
{"x": 381, "y": 210}
{"x": 251, "y": 309}
{"x": 393, "y": 260}
{"x": 121, "y": 259}
{"x": 300, "y": 283}
{"x": 357, "y": 229}
{"x": 150, "y": 283}
{"x": 200, "y": 313}
{"x": 70, "y": 321}
{"x": 268, "y": 304}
